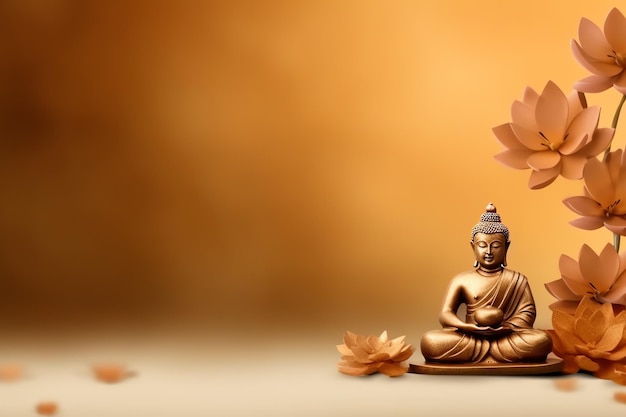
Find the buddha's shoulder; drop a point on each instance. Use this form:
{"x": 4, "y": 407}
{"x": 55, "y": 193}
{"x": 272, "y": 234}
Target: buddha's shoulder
{"x": 513, "y": 273}
{"x": 464, "y": 276}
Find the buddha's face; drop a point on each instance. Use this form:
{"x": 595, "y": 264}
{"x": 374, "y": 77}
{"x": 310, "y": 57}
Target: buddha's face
{"x": 490, "y": 250}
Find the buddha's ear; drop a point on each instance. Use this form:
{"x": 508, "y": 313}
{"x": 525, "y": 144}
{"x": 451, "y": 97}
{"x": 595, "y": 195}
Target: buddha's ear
{"x": 506, "y": 250}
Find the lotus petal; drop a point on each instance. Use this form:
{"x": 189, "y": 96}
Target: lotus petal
{"x": 552, "y": 112}
{"x": 583, "y": 125}
{"x": 616, "y": 225}
{"x": 572, "y": 276}
{"x": 599, "y": 270}
{"x": 600, "y": 141}
{"x": 514, "y": 158}
{"x": 559, "y": 290}
{"x": 504, "y": 133}
{"x": 592, "y": 39}
{"x": 392, "y": 369}
{"x": 344, "y": 350}
{"x": 531, "y": 139}
{"x": 594, "y": 84}
{"x": 569, "y": 365}
{"x": 617, "y": 293}
{"x": 596, "y": 175}
{"x": 563, "y": 323}
{"x": 523, "y": 114}
{"x": 619, "y": 353}
{"x": 543, "y": 178}
{"x": 587, "y": 364}
{"x": 615, "y": 30}
{"x": 572, "y": 166}
{"x": 584, "y": 206}
{"x": 611, "y": 338}
{"x": 544, "y": 160}
{"x": 593, "y": 65}
{"x": 564, "y": 306}
{"x": 530, "y": 97}
{"x": 588, "y": 223}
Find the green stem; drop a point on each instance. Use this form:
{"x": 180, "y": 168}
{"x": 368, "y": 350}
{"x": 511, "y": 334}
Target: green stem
{"x": 614, "y": 122}
{"x": 616, "y": 241}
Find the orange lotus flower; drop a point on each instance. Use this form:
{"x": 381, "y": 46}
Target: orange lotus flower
{"x": 603, "y": 54}
{"x": 604, "y": 202}
{"x": 593, "y": 339}
{"x": 602, "y": 277}
{"x": 552, "y": 134}
{"x": 367, "y": 355}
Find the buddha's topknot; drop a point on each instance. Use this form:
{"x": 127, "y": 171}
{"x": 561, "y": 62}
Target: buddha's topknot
{"x": 490, "y": 223}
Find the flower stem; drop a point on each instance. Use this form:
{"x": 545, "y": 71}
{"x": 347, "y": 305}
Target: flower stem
{"x": 583, "y": 99}
{"x": 614, "y": 122}
{"x": 616, "y": 237}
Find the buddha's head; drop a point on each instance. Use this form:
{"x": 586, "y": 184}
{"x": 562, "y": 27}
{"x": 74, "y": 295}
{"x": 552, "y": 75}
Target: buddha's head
{"x": 490, "y": 241}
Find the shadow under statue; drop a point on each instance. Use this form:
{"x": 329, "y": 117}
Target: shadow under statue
{"x": 497, "y": 336}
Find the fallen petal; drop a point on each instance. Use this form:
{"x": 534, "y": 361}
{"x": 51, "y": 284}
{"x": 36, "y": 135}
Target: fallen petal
{"x": 620, "y": 396}
{"x": 110, "y": 372}
{"x": 566, "y": 384}
{"x": 10, "y": 372}
{"x": 47, "y": 408}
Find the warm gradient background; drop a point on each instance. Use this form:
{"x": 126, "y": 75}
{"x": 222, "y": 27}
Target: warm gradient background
{"x": 268, "y": 172}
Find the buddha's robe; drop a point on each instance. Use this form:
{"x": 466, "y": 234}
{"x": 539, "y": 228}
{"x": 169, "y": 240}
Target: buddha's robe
{"x": 512, "y": 295}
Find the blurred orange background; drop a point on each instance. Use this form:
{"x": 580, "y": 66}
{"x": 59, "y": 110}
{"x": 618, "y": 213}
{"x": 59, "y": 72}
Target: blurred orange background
{"x": 270, "y": 166}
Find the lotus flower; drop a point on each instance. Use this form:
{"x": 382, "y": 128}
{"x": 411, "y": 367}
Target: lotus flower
{"x": 601, "y": 277}
{"x": 604, "y": 202}
{"x": 552, "y": 134}
{"x": 367, "y": 355}
{"x": 603, "y": 54}
{"x": 593, "y": 339}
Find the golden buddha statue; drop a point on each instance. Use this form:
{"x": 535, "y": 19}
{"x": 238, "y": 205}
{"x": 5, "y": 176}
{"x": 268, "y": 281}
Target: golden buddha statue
{"x": 500, "y": 311}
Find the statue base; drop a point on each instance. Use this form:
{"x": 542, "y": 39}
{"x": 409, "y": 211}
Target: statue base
{"x": 552, "y": 365}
